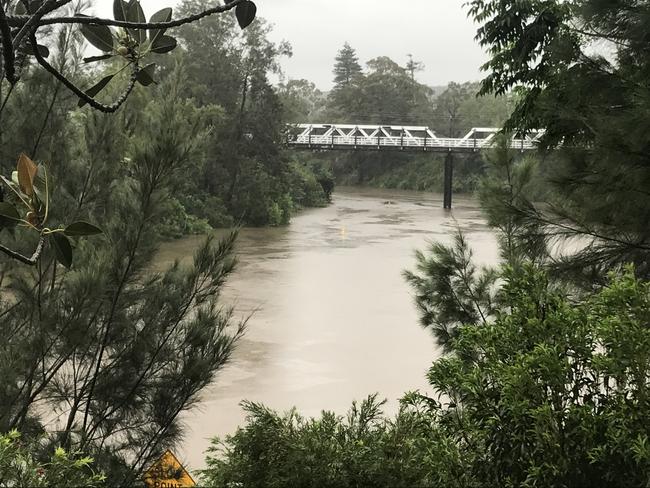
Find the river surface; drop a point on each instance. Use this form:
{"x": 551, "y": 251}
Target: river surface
{"x": 333, "y": 319}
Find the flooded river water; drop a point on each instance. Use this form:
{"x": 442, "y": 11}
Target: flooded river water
{"x": 333, "y": 319}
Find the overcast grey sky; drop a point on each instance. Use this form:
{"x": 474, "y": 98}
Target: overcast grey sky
{"x": 436, "y": 32}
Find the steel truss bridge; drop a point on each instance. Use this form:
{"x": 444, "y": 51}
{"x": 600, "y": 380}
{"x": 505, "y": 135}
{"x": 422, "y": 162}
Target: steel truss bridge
{"x": 330, "y": 137}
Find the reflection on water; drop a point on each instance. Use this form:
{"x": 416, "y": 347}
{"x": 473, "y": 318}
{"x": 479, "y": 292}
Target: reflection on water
{"x": 333, "y": 318}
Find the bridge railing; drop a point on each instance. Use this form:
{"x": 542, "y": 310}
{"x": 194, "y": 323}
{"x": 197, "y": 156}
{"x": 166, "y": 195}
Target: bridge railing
{"x": 405, "y": 142}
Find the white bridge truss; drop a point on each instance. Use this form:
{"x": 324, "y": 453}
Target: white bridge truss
{"x": 411, "y": 138}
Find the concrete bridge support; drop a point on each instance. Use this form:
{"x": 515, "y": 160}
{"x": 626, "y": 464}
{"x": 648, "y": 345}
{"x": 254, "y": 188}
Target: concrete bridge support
{"x": 448, "y": 180}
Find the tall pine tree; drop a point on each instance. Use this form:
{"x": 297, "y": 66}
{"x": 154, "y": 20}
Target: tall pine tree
{"x": 347, "y": 68}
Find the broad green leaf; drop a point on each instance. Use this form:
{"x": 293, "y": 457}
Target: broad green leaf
{"x": 20, "y": 9}
{"x": 9, "y": 212}
{"x": 26, "y": 173}
{"x": 93, "y": 59}
{"x": 164, "y": 15}
{"x": 136, "y": 14}
{"x": 164, "y": 44}
{"x": 34, "y": 5}
{"x": 62, "y": 249}
{"x": 42, "y": 50}
{"x": 145, "y": 75}
{"x": 245, "y": 13}
{"x": 120, "y": 9}
{"x": 81, "y": 228}
{"x": 95, "y": 89}
{"x": 40, "y": 185}
{"x": 99, "y": 36}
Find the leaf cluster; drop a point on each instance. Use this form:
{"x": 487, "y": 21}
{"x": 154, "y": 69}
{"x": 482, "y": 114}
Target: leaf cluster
{"x": 19, "y": 466}
{"x": 553, "y": 392}
{"x": 30, "y": 192}
{"x": 579, "y": 70}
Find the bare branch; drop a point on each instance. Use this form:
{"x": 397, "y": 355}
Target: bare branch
{"x": 33, "y": 21}
{"x": 20, "y": 20}
{"x": 80, "y": 93}
{"x": 24, "y": 259}
{"x": 7, "y": 48}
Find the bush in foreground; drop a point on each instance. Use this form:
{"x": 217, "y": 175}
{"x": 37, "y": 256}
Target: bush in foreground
{"x": 550, "y": 392}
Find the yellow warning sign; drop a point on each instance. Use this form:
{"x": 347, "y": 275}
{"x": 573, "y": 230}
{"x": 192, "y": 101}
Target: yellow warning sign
{"x": 168, "y": 472}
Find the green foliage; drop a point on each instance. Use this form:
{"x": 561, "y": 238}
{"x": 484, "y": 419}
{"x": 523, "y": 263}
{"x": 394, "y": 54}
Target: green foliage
{"x": 390, "y": 94}
{"x": 30, "y": 192}
{"x": 361, "y": 449}
{"x": 245, "y": 168}
{"x": 115, "y": 351}
{"x": 20, "y": 468}
{"x": 177, "y": 222}
{"x": 347, "y": 69}
{"x": 592, "y": 101}
{"x": 551, "y": 391}
{"x": 302, "y": 101}
{"x": 459, "y": 108}
{"x": 450, "y": 290}
{"x": 309, "y": 189}
{"x": 131, "y": 46}
{"x": 511, "y": 182}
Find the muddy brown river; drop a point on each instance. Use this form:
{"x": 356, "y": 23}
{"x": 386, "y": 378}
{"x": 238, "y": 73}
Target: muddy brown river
{"x": 333, "y": 319}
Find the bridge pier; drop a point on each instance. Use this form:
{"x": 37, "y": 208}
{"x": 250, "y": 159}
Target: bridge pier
{"x": 448, "y": 181}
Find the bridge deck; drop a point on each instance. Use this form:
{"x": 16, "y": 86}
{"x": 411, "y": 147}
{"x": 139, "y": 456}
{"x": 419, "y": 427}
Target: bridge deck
{"x": 402, "y": 138}
{"x": 328, "y": 137}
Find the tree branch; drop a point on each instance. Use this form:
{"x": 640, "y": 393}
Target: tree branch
{"x": 80, "y": 93}
{"x": 33, "y": 22}
{"x": 21, "y": 20}
{"x": 24, "y": 259}
{"x": 7, "y": 48}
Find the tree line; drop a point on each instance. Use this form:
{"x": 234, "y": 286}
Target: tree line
{"x": 387, "y": 93}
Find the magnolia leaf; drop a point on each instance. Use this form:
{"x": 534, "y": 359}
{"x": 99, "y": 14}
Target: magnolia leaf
{"x": 81, "y": 228}
{"x": 245, "y": 13}
{"x": 26, "y": 172}
{"x": 62, "y": 249}
{"x": 41, "y": 186}
{"x": 95, "y": 89}
{"x": 145, "y": 75}
{"x": 9, "y": 212}
{"x": 20, "y": 9}
{"x": 14, "y": 178}
{"x": 99, "y": 36}
{"x": 164, "y": 15}
{"x": 120, "y": 9}
{"x": 93, "y": 59}
{"x": 136, "y": 14}
{"x": 42, "y": 50}
{"x": 34, "y": 5}
{"x": 164, "y": 44}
